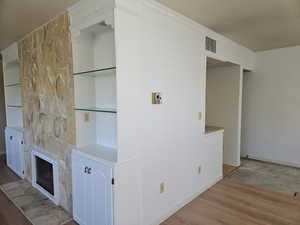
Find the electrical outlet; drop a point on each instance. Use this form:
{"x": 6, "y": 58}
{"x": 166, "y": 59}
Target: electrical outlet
{"x": 162, "y": 187}
{"x": 86, "y": 117}
{"x": 199, "y": 169}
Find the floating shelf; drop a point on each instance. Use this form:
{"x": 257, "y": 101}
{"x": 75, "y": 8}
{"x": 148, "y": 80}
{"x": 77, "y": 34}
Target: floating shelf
{"x": 13, "y": 85}
{"x": 94, "y": 109}
{"x": 14, "y": 106}
{"x": 98, "y": 72}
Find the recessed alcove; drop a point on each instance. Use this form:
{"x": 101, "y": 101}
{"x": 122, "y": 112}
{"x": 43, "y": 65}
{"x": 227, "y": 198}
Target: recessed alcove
{"x": 13, "y": 99}
{"x": 95, "y": 87}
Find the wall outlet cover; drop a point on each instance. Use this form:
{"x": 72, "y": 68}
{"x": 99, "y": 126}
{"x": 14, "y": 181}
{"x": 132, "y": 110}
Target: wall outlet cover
{"x": 162, "y": 187}
{"x": 86, "y": 117}
{"x": 156, "y": 98}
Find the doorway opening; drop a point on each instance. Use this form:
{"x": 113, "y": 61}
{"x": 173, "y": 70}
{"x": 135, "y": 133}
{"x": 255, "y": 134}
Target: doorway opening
{"x": 223, "y": 108}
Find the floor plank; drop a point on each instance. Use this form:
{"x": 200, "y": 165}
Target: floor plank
{"x": 228, "y": 169}
{"x": 230, "y": 203}
{"x": 6, "y": 175}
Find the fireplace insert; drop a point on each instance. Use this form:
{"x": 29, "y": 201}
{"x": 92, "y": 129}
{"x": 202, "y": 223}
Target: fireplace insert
{"x": 44, "y": 175}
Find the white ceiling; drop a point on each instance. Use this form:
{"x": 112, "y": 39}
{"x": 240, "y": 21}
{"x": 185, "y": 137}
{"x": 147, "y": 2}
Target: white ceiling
{"x": 19, "y": 17}
{"x": 256, "y": 24}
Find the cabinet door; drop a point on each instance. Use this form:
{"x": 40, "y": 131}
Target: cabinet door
{"x": 100, "y": 204}
{"x": 18, "y": 154}
{"x": 80, "y": 193}
{"x": 92, "y": 192}
{"x": 9, "y": 157}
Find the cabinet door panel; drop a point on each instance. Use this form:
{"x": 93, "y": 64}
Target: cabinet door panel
{"x": 101, "y": 194}
{"x": 13, "y": 152}
{"x": 92, "y": 192}
{"x": 18, "y": 155}
{"x": 8, "y": 141}
{"x": 79, "y": 190}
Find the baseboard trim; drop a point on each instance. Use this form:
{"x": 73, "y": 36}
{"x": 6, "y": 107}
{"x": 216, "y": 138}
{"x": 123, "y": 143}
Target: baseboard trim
{"x": 284, "y": 163}
{"x": 185, "y": 202}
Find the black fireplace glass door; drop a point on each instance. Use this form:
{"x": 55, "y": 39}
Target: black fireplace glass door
{"x": 44, "y": 175}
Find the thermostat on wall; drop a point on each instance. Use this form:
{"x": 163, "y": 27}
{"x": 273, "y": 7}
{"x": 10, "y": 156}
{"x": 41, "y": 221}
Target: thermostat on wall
{"x": 156, "y": 98}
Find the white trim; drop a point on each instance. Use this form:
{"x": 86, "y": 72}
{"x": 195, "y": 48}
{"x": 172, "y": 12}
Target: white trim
{"x": 55, "y": 197}
{"x": 284, "y": 163}
{"x": 240, "y": 116}
{"x": 185, "y": 202}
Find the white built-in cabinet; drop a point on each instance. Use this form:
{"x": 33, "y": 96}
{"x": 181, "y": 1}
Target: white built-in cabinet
{"x": 14, "y": 110}
{"x": 96, "y": 122}
{"x": 99, "y": 42}
{"x": 92, "y": 190}
{"x": 14, "y": 150}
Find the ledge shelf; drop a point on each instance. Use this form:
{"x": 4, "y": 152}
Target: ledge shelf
{"x": 14, "y": 106}
{"x": 95, "y": 109}
{"x": 97, "y": 72}
{"x": 13, "y": 85}
{"x": 105, "y": 153}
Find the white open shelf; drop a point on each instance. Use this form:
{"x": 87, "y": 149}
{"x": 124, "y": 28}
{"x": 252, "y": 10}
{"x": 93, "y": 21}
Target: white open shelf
{"x": 95, "y": 89}
{"x": 102, "y": 152}
{"x": 13, "y": 95}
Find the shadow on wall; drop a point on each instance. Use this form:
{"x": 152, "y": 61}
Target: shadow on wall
{"x": 2, "y": 110}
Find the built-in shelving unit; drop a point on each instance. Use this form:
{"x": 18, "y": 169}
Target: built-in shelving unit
{"x": 12, "y": 88}
{"x": 95, "y": 88}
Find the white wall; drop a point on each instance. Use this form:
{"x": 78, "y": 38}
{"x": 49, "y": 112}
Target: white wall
{"x": 104, "y": 49}
{"x": 223, "y": 91}
{"x": 272, "y": 107}
{"x": 168, "y": 138}
{"x": 160, "y": 50}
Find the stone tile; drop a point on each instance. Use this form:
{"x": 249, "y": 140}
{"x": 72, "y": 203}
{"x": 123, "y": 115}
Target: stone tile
{"x": 36, "y": 207}
{"x": 268, "y": 175}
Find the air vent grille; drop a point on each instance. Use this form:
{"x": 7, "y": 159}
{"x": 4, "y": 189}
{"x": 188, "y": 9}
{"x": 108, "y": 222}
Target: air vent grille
{"x": 211, "y": 45}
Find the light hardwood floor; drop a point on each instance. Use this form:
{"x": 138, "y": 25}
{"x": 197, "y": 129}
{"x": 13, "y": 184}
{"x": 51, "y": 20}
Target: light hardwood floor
{"x": 229, "y": 203}
{"x": 228, "y": 169}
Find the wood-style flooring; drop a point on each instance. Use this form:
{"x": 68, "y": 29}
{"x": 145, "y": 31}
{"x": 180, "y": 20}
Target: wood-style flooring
{"x": 230, "y": 203}
{"x": 9, "y": 214}
{"x": 228, "y": 169}
{"x": 227, "y": 203}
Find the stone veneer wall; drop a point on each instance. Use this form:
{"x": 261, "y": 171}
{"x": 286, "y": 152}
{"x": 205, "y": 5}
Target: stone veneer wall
{"x": 48, "y": 99}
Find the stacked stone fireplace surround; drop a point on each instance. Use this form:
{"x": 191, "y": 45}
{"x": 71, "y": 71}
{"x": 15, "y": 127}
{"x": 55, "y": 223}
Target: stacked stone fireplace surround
{"x": 48, "y": 99}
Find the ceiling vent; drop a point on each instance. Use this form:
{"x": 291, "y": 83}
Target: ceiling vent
{"x": 211, "y": 45}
